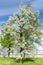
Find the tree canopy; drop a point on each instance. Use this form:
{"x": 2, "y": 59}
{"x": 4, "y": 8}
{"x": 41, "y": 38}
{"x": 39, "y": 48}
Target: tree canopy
{"x": 25, "y": 28}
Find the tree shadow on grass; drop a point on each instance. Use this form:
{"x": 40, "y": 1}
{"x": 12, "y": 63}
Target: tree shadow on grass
{"x": 25, "y": 60}
{"x": 29, "y": 59}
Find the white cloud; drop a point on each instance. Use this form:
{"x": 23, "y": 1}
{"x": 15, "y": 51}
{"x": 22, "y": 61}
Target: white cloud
{"x": 38, "y": 4}
{"x": 8, "y": 7}
{"x": 8, "y": 11}
{"x": 1, "y": 22}
{"x": 0, "y": 31}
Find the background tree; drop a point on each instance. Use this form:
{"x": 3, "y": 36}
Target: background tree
{"x": 7, "y": 38}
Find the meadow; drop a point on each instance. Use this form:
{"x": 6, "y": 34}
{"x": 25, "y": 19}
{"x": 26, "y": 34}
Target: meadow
{"x": 14, "y": 61}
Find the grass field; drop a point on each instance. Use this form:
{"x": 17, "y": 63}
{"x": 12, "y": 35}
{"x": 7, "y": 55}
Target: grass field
{"x": 13, "y": 61}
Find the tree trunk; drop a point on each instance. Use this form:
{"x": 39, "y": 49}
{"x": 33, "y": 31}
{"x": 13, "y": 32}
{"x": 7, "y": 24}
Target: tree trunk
{"x": 22, "y": 54}
{"x": 22, "y": 57}
{"x": 21, "y": 49}
{"x": 9, "y": 52}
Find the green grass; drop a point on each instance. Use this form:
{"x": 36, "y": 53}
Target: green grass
{"x": 13, "y": 61}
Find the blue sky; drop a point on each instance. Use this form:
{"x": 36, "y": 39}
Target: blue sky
{"x": 8, "y": 7}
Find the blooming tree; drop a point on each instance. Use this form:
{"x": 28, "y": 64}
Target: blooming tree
{"x": 25, "y": 27}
